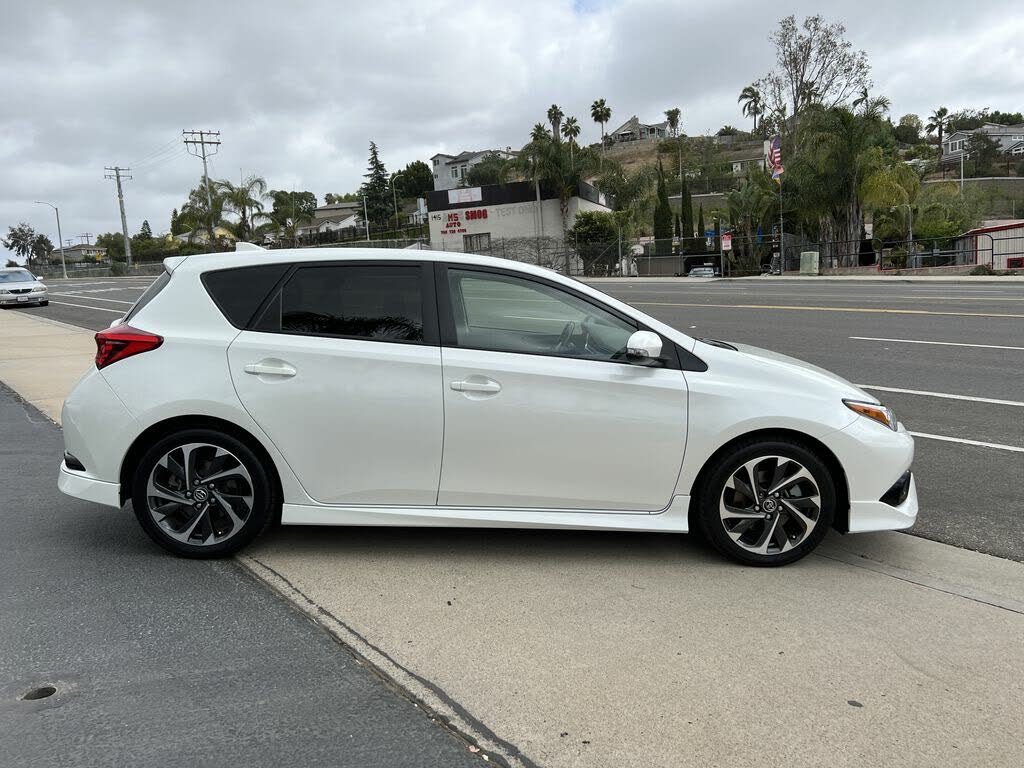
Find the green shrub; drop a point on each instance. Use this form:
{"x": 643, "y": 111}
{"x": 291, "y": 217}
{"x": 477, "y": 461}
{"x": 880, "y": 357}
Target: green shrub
{"x": 982, "y": 269}
{"x": 117, "y": 268}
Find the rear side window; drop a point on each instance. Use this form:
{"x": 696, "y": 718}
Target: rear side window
{"x": 148, "y": 295}
{"x": 239, "y": 292}
{"x": 380, "y": 303}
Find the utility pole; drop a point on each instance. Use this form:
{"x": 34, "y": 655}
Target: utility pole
{"x": 198, "y": 148}
{"x": 86, "y": 236}
{"x": 120, "y": 200}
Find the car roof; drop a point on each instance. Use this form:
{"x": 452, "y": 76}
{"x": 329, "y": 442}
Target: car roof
{"x": 251, "y": 258}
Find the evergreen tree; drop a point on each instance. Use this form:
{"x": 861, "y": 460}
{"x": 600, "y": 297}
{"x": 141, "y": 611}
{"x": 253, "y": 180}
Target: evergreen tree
{"x": 375, "y": 190}
{"x": 679, "y": 228}
{"x": 662, "y": 218}
{"x": 686, "y": 207}
{"x": 700, "y": 222}
{"x": 176, "y": 226}
{"x": 145, "y": 233}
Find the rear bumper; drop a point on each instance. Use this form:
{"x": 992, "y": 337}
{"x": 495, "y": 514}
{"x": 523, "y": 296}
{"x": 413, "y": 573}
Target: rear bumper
{"x": 81, "y": 486}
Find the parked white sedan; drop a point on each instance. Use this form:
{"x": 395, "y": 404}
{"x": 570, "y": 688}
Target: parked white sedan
{"x": 370, "y": 387}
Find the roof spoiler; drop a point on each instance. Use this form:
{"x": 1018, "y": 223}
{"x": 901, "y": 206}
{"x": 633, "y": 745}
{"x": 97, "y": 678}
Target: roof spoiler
{"x": 173, "y": 262}
{"x": 240, "y": 246}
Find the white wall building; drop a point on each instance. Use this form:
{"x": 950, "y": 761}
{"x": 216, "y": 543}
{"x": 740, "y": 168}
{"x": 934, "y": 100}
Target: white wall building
{"x": 450, "y": 170}
{"x": 470, "y": 219}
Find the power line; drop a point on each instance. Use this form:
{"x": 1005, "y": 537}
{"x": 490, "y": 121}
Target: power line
{"x": 160, "y": 160}
{"x": 117, "y": 176}
{"x": 156, "y": 151}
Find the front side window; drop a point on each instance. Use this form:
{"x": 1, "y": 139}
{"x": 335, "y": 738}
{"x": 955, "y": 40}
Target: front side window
{"x": 382, "y": 303}
{"x": 511, "y": 314}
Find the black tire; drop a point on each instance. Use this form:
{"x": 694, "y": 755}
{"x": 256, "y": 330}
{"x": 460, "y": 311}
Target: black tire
{"x": 708, "y": 518}
{"x": 265, "y": 504}
{"x": 44, "y": 303}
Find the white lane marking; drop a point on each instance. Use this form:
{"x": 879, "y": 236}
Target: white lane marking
{"x": 940, "y": 343}
{"x": 86, "y": 306}
{"x": 92, "y": 298}
{"x": 944, "y": 395}
{"x": 963, "y": 441}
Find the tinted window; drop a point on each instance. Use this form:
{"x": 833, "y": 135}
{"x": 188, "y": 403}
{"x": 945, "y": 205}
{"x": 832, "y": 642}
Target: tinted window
{"x": 240, "y": 292}
{"x": 148, "y": 295}
{"x": 384, "y": 303}
{"x": 511, "y": 314}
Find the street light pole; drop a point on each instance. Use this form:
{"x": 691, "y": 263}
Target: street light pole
{"x": 394, "y": 196}
{"x": 60, "y": 237}
{"x": 366, "y": 219}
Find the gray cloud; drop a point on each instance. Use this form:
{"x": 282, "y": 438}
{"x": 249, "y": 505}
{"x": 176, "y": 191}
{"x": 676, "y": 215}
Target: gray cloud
{"x": 299, "y": 89}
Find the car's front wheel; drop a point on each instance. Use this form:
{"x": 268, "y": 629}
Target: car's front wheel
{"x": 767, "y": 502}
{"x": 202, "y": 493}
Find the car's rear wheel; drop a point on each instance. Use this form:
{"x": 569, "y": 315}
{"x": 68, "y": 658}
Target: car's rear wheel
{"x": 768, "y": 502}
{"x": 202, "y": 493}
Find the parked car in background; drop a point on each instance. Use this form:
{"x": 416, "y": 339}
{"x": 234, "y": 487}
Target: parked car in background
{"x": 420, "y": 388}
{"x": 20, "y": 287}
{"x": 704, "y": 271}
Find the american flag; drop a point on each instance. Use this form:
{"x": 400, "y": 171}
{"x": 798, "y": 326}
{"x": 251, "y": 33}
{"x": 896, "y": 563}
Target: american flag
{"x": 775, "y": 158}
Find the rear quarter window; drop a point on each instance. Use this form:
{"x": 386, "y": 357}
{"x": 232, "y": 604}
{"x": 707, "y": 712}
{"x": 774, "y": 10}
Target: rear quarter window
{"x": 239, "y": 292}
{"x": 148, "y": 295}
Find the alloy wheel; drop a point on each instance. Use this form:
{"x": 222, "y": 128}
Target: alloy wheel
{"x": 770, "y": 505}
{"x": 199, "y": 494}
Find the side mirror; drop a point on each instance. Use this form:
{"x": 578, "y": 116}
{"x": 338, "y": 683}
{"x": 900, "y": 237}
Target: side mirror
{"x": 643, "y": 348}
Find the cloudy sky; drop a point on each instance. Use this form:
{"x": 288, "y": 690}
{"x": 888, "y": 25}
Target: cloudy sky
{"x": 298, "y": 89}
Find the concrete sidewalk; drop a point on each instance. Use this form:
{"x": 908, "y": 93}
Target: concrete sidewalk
{"x": 608, "y": 649}
{"x": 41, "y": 359}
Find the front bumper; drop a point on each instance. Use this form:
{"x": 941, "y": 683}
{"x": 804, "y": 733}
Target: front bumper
{"x": 868, "y": 516}
{"x": 11, "y": 299}
{"x": 875, "y": 459}
{"x": 81, "y": 486}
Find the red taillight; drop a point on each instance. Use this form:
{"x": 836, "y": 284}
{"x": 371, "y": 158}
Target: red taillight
{"x": 123, "y": 341}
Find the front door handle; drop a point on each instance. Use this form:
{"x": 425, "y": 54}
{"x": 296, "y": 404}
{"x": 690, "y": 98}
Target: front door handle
{"x": 270, "y": 369}
{"x": 487, "y": 387}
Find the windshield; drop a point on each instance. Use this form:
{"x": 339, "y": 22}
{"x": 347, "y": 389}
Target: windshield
{"x": 16, "y": 277}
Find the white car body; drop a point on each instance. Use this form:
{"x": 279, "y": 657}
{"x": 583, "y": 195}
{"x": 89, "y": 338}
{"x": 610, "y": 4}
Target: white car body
{"x": 373, "y": 433}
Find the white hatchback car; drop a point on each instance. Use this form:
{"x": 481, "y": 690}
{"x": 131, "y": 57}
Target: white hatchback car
{"x": 371, "y": 387}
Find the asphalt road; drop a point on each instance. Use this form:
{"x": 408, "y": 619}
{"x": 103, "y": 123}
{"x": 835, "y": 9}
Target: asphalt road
{"x": 159, "y": 661}
{"x": 868, "y": 332}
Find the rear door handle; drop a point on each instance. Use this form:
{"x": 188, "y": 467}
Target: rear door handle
{"x": 489, "y": 387}
{"x": 269, "y": 369}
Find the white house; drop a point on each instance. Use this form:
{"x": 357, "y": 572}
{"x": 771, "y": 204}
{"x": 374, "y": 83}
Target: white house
{"x": 328, "y": 218}
{"x": 469, "y": 219}
{"x": 450, "y": 170}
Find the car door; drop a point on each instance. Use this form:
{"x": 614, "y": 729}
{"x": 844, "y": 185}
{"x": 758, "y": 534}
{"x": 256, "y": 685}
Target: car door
{"x": 342, "y": 370}
{"x": 541, "y": 408}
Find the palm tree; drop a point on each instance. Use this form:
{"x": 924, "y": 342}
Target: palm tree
{"x": 547, "y": 160}
{"x": 203, "y": 213}
{"x": 571, "y": 129}
{"x": 246, "y": 200}
{"x": 874, "y": 106}
{"x": 938, "y": 121}
{"x": 753, "y": 106}
{"x": 555, "y": 116}
{"x": 601, "y": 113}
{"x": 540, "y": 131}
{"x": 673, "y": 116}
